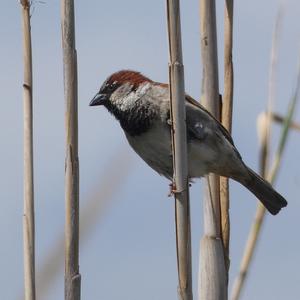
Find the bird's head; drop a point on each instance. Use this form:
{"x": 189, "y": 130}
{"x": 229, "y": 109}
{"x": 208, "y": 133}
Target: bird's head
{"x": 121, "y": 90}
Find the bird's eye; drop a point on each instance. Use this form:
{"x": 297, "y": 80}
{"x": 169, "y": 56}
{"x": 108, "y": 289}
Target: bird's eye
{"x": 111, "y": 87}
{"x": 114, "y": 84}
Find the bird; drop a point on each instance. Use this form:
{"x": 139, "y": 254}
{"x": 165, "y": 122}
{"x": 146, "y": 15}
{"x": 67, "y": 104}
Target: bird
{"x": 142, "y": 107}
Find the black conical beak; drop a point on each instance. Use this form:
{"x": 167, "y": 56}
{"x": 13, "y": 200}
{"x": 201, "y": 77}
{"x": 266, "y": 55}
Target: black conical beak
{"x": 99, "y": 99}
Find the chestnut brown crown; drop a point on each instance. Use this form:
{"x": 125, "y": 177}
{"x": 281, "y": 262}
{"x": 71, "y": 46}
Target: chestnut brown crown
{"x": 133, "y": 77}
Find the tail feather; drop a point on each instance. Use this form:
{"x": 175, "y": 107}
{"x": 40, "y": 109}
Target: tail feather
{"x": 272, "y": 200}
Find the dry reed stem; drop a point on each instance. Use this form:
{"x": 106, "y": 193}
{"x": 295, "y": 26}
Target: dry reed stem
{"x": 264, "y": 158}
{"x": 211, "y": 86}
{"x": 226, "y": 117}
{"x": 179, "y": 150}
{"x": 280, "y": 119}
{"x": 212, "y": 273}
{"x": 260, "y": 212}
{"x": 72, "y": 275}
{"x": 265, "y": 136}
{"x": 28, "y": 217}
{"x": 96, "y": 206}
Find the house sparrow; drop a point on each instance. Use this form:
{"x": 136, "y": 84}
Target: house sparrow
{"x": 142, "y": 107}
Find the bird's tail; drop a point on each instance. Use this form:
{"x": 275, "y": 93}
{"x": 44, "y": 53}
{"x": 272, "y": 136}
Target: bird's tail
{"x": 272, "y": 200}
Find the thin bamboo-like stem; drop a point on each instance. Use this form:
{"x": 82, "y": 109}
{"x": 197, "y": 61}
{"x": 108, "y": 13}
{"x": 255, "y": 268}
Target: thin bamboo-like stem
{"x": 260, "y": 212}
{"x": 211, "y": 89}
{"x": 72, "y": 275}
{"x": 265, "y": 136}
{"x": 95, "y": 208}
{"x": 226, "y": 117}
{"x": 28, "y": 217}
{"x": 179, "y": 150}
{"x": 280, "y": 119}
{"x": 264, "y": 157}
{"x": 212, "y": 273}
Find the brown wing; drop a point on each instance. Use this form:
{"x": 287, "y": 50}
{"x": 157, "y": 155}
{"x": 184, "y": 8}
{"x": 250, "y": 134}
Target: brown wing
{"x": 220, "y": 126}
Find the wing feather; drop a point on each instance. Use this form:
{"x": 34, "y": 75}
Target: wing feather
{"x": 197, "y": 105}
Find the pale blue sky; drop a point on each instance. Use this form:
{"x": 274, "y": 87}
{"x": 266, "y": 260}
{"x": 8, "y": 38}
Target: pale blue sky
{"x": 129, "y": 252}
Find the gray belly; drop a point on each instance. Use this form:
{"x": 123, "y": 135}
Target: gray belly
{"x": 154, "y": 147}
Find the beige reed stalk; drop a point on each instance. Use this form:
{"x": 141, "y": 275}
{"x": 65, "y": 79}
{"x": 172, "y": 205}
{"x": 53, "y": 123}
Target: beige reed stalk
{"x": 212, "y": 273}
{"x": 72, "y": 275}
{"x": 280, "y": 119}
{"x": 28, "y": 217}
{"x": 265, "y": 134}
{"x": 226, "y": 117}
{"x": 265, "y": 145}
{"x": 96, "y": 206}
{"x": 260, "y": 212}
{"x": 179, "y": 149}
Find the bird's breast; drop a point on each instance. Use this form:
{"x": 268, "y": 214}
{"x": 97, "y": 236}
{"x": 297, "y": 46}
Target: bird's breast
{"x": 154, "y": 147}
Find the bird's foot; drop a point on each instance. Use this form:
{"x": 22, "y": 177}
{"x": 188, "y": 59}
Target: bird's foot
{"x": 172, "y": 190}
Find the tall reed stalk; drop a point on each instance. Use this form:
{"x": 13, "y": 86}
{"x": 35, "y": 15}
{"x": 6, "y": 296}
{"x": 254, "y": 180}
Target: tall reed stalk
{"x": 96, "y": 206}
{"x": 261, "y": 211}
{"x": 179, "y": 149}
{"x": 212, "y": 273}
{"x": 28, "y": 217}
{"x": 72, "y": 275}
{"x": 265, "y": 137}
{"x": 265, "y": 143}
{"x": 226, "y": 117}
{"x": 280, "y": 119}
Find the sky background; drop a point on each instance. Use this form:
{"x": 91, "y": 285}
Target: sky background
{"x": 127, "y": 246}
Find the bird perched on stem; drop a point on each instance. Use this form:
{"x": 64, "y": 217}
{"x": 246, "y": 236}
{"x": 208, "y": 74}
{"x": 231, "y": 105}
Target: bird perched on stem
{"x": 142, "y": 107}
